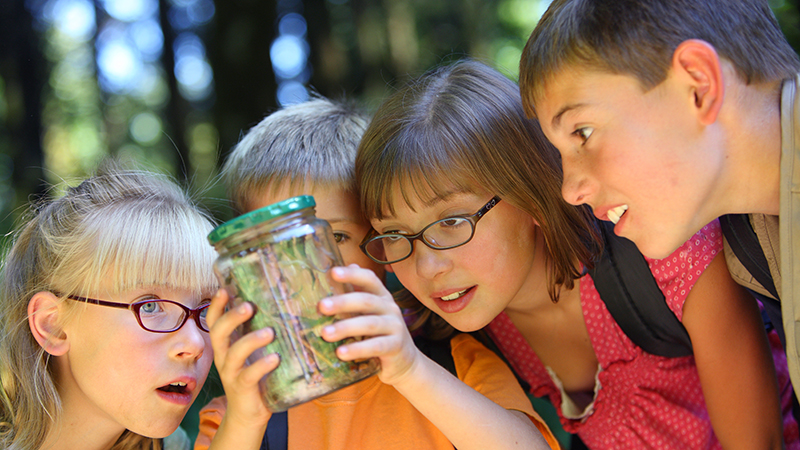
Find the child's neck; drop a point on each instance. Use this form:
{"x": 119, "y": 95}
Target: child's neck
{"x": 75, "y": 433}
{"x": 80, "y": 425}
{"x": 534, "y": 294}
{"x": 752, "y": 130}
{"x": 540, "y": 306}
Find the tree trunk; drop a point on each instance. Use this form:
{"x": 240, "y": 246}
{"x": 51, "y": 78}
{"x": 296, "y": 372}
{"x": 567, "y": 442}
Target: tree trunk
{"x": 23, "y": 71}
{"x": 238, "y": 50}
{"x": 177, "y": 107}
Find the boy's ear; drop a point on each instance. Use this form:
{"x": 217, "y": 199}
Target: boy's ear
{"x": 699, "y": 63}
{"x": 43, "y": 314}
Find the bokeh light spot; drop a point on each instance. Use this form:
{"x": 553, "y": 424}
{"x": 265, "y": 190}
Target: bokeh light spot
{"x": 145, "y": 128}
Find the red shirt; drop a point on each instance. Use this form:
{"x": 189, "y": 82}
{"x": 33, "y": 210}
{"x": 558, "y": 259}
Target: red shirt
{"x": 643, "y": 400}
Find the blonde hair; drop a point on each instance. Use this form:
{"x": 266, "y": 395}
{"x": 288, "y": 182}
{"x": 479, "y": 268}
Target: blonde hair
{"x": 116, "y": 231}
{"x": 312, "y": 142}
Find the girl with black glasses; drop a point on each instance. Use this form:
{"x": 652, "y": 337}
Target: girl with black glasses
{"x": 464, "y": 194}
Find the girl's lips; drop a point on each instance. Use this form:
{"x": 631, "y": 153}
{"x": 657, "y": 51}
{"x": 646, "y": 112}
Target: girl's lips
{"x": 448, "y": 292}
{"x": 183, "y": 399}
{"x": 457, "y": 304}
{"x": 179, "y": 391}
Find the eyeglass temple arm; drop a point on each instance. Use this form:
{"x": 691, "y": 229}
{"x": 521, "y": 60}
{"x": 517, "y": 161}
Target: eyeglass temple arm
{"x": 100, "y": 302}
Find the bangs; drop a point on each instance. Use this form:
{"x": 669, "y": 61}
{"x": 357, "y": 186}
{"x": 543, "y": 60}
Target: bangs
{"x": 422, "y": 168}
{"x": 158, "y": 244}
{"x": 443, "y": 134}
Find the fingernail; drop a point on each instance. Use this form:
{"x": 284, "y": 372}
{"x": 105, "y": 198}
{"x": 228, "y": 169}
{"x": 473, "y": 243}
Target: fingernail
{"x": 242, "y": 309}
{"x": 330, "y": 329}
{"x": 326, "y": 304}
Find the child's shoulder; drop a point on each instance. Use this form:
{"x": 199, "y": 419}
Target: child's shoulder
{"x": 691, "y": 258}
{"x": 471, "y": 354}
{"x": 217, "y": 405}
{"x": 458, "y": 353}
{"x": 210, "y": 418}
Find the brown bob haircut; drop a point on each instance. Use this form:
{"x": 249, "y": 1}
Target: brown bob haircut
{"x": 461, "y": 127}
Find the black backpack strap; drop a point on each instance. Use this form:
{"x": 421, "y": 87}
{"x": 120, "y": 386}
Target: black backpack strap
{"x": 632, "y": 296}
{"x": 743, "y": 241}
{"x": 277, "y": 435}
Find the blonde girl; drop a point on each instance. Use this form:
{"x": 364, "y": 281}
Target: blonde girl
{"x": 103, "y": 340}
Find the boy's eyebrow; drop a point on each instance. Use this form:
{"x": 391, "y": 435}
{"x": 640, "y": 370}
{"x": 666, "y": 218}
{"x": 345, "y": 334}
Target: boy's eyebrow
{"x": 556, "y": 122}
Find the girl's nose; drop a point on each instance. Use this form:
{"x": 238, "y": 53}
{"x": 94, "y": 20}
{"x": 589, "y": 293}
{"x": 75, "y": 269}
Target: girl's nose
{"x": 430, "y": 262}
{"x": 191, "y": 341}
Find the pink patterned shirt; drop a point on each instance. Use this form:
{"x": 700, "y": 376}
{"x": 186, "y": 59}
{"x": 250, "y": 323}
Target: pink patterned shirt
{"x": 641, "y": 400}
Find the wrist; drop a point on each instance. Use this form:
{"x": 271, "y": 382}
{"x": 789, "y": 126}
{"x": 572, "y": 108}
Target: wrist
{"x": 417, "y": 371}
{"x": 241, "y": 420}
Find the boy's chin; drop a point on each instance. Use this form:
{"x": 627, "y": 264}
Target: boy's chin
{"x": 658, "y": 246}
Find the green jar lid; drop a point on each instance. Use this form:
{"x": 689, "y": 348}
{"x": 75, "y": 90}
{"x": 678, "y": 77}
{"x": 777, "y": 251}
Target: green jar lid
{"x": 259, "y": 216}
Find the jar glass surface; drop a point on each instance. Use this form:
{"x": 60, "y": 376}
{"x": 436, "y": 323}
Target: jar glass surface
{"x": 282, "y": 266}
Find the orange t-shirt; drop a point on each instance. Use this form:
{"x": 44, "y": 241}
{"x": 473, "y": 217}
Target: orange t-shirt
{"x": 372, "y": 415}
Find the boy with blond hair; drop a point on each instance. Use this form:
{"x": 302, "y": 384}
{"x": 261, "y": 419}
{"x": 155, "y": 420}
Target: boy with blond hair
{"x": 309, "y": 149}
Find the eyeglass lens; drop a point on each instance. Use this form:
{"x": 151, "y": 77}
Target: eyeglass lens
{"x": 162, "y": 315}
{"x": 445, "y": 233}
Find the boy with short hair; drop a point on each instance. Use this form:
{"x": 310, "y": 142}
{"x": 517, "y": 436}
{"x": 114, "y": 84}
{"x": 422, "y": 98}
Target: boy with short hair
{"x": 671, "y": 113}
{"x": 305, "y": 149}
{"x": 309, "y": 149}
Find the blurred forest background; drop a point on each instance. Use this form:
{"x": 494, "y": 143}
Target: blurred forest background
{"x": 173, "y": 84}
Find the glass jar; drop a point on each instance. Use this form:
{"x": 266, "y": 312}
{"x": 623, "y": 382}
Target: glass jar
{"x": 279, "y": 258}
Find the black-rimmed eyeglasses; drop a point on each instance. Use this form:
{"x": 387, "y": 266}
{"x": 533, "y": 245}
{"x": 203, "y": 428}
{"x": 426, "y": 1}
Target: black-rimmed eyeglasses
{"x": 450, "y": 232}
{"x": 157, "y": 315}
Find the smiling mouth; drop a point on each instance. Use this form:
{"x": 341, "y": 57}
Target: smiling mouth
{"x": 615, "y": 214}
{"x": 455, "y": 295}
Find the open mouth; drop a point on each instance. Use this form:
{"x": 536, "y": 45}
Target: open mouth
{"x": 178, "y": 387}
{"x": 615, "y": 214}
{"x": 455, "y": 295}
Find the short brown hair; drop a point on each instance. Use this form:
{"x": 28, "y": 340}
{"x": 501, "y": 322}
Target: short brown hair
{"x": 638, "y": 38}
{"x": 461, "y": 126}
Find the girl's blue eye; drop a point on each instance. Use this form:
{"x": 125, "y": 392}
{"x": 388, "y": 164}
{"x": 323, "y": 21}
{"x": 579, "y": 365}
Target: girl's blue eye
{"x": 149, "y": 307}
